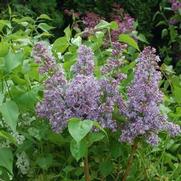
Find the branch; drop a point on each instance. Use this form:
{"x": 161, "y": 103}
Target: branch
{"x": 130, "y": 161}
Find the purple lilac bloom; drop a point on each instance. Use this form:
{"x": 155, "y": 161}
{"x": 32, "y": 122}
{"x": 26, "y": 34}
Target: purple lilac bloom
{"x": 85, "y": 61}
{"x": 173, "y": 21}
{"x": 144, "y": 98}
{"x": 125, "y": 25}
{"x": 53, "y": 106}
{"x": 117, "y": 59}
{"x": 44, "y": 57}
{"x": 175, "y": 5}
{"x": 91, "y": 19}
{"x": 110, "y": 83}
{"x": 118, "y": 48}
{"x": 83, "y": 96}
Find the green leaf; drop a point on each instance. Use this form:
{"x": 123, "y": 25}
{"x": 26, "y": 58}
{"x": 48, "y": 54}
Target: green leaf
{"x": 177, "y": 93}
{"x": 45, "y": 162}
{"x": 96, "y": 124}
{"x": 94, "y": 137}
{"x": 76, "y": 41}
{"x": 142, "y": 38}
{"x": 165, "y": 110}
{"x": 68, "y": 33}
{"x": 79, "y": 129}
{"x": 28, "y": 99}
{"x": 99, "y": 34}
{"x": 60, "y": 44}
{"x": 45, "y": 27}
{"x": 4, "y": 23}
{"x": 12, "y": 60}
{"x": 44, "y": 16}
{"x": 173, "y": 33}
{"x": 168, "y": 69}
{"x": 7, "y": 136}
{"x": 116, "y": 149}
{"x": 164, "y": 33}
{"x": 4, "y": 48}
{"x": 44, "y": 34}
{"x": 113, "y": 25}
{"x": 129, "y": 40}
{"x": 10, "y": 112}
{"x": 6, "y": 159}
{"x": 9, "y": 10}
{"x": 1, "y": 98}
{"x": 161, "y": 23}
{"x": 102, "y": 25}
{"x": 78, "y": 149}
{"x": 106, "y": 167}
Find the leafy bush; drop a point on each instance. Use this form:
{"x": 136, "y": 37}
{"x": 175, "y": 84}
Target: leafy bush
{"x": 85, "y": 108}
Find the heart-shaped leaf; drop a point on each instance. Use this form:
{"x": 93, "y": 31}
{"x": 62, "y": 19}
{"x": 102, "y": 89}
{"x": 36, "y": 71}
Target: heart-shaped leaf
{"x": 79, "y": 129}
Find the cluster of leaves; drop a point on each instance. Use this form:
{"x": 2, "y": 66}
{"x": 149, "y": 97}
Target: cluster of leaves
{"x": 30, "y": 150}
{"x": 168, "y": 25}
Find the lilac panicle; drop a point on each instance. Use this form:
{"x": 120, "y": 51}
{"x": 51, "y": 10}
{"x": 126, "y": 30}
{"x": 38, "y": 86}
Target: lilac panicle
{"x": 85, "y": 61}
{"x": 82, "y": 97}
{"x": 91, "y": 19}
{"x": 53, "y": 106}
{"x": 175, "y": 5}
{"x": 144, "y": 98}
{"x": 125, "y": 25}
{"x": 44, "y": 57}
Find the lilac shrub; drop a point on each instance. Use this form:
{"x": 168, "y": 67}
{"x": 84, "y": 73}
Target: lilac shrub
{"x": 87, "y": 97}
{"x": 84, "y": 96}
{"x": 144, "y": 97}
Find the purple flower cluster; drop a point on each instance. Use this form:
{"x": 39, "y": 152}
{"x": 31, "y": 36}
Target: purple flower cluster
{"x": 124, "y": 21}
{"x": 91, "y": 19}
{"x": 175, "y": 5}
{"x": 118, "y": 49}
{"x": 115, "y": 62}
{"x": 85, "y": 61}
{"x": 83, "y": 96}
{"x": 125, "y": 25}
{"x": 53, "y": 107}
{"x": 86, "y": 97}
{"x": 144, "y": 98}
{"x": 43, "y": 56}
